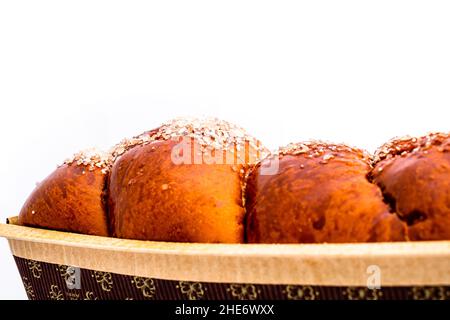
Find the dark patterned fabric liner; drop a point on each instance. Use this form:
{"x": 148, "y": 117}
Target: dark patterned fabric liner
{"x": 45, "y": 281}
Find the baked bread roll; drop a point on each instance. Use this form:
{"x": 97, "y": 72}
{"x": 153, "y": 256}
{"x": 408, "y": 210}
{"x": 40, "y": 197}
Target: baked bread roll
{"x": 182, "y": 182}
{"x": 414, "y": 176}
{"x": 320, "y": 194}
{"x": 73, "y": 197}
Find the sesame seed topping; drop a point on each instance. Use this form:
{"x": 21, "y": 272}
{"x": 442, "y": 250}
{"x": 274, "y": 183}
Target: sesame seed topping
{"x": 407, "y": 145}
{"x": 91, "y": 158}
{"x": 165, "y": 187}
{"x": 209, "y": 133}
{"x": 326, "y": 150}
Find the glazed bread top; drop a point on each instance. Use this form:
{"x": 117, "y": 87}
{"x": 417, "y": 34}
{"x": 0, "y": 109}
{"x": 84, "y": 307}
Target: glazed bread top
{"x": 73, "y": 197}
{"x": 407, "y": 144}
{"x": 201, "y": 180}
{"x": 155, "y": 197}
{"x": 320, "y": 194}
{"x": 414, "y": 176}
{"x": 208, "y": 133}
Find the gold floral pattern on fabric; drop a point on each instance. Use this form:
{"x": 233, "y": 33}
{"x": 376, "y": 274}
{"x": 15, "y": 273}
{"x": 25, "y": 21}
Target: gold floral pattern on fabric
{"x": 28, "y": 288}
{"x": 145, "y": 285}
{"x": 43, "y": 281}
{"x": 192, "y": 290}
{"x": 89, "y": 295}
{"x": 104, "y": 279}
{"x": 430, "y": 293}
{"x": 243, "y": 291}
{"x": 362, "y": 293}
{"x": 300, "y": 293}
{"x": 55, "y": 293}
{"x": 35, "y": 268}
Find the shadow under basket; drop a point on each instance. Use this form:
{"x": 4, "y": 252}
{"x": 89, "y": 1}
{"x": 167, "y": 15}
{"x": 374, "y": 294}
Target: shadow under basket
{"x": 61, "y": 265}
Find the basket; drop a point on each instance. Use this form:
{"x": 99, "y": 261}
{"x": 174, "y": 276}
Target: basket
{"x": 61, "y": 265}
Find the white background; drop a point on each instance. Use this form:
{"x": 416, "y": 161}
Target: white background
{"x": 87, "y": 73}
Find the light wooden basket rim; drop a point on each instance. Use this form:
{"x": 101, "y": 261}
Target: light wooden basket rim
{"x": 346, "y": 264}
{"x": 11, "y": 230}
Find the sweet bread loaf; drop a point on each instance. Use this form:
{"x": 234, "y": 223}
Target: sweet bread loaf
{"x": 320, "y": 194}
{"x": 206, "y": 180}
{"x": 73, "y": 197}
{"x": 182, "y": 182}
{"x": 414, "y": 176}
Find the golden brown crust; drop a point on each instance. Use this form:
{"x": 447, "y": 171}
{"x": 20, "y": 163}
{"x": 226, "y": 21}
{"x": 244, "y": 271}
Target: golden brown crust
{"x": 151, "y": 198}
{"x": 323, "y": 192}
{"x": 70, "y": 199}
{"x": 154, "y": 198}
{"x": 320, "y": 194}
{"x": 416, "y": 182}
